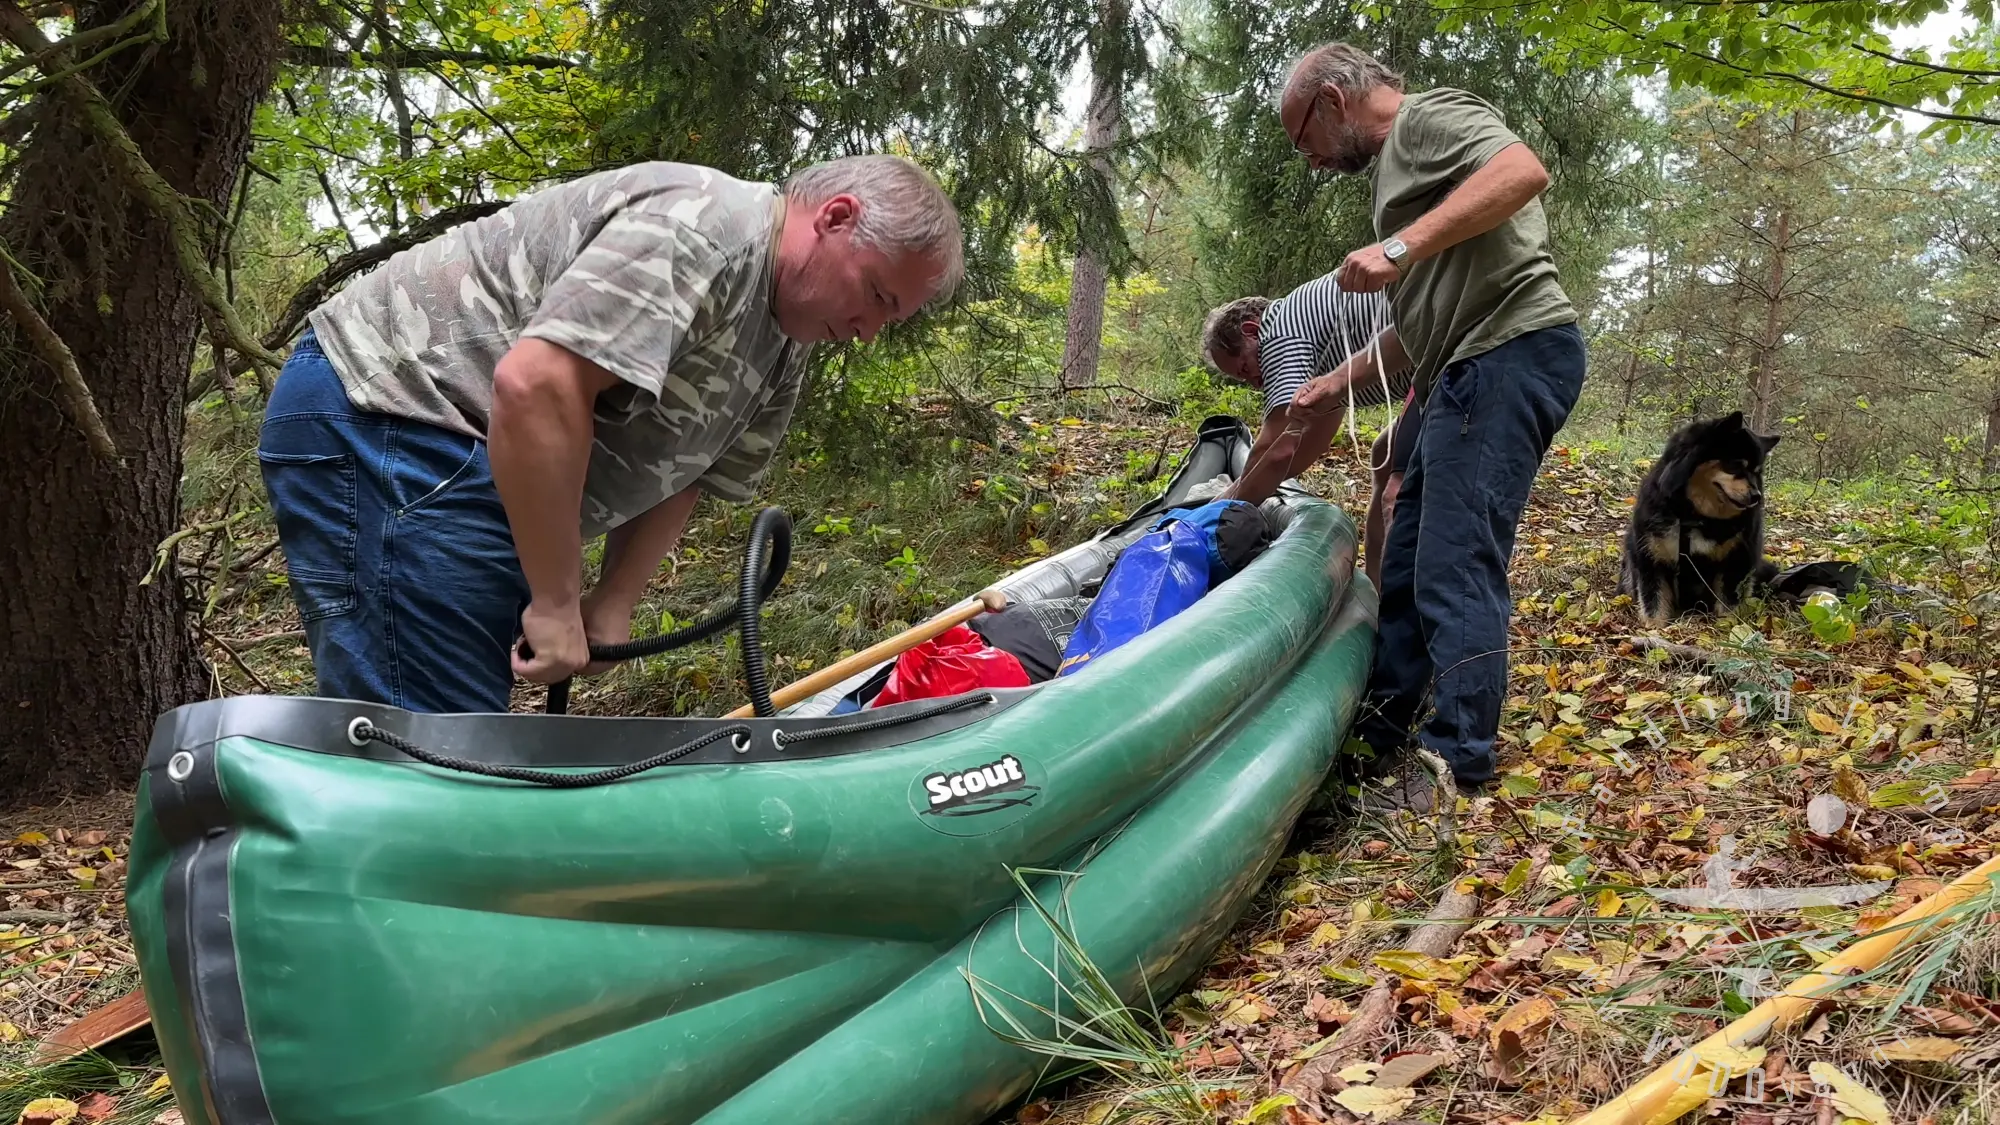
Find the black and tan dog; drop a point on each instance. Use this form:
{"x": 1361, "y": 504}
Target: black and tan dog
{"x": 1697, "y": 532}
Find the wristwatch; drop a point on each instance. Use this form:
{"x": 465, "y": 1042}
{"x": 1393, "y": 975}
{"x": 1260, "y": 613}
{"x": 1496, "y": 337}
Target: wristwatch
{"x": 1394, "y": 250}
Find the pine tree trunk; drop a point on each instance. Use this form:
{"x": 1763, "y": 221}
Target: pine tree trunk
{"x": 92, "y": 658}
{"x": 1105, "y": 119}
{"x": 1991, "y": 466}
{"x": 1764, "y": 379}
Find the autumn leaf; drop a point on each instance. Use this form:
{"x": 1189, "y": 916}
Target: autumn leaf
{"x": 1422, "y": 966}
{"x": 1941, "y": 1021}
{"x": 1407, "y": 1070}
{"x": 1374, "y": 1101}
{"x": 1358, "y": 1072}
{"x": 1851, "y": 1097}
{"x": 1825, "y": 724}
{"x": 1268, "y": 1110}
{"x": 1325, "y": 935}
{"x": 1848, "y": 786}
{"x": 96, "y": 1107}
{"x": 1921, "y": 1048}
{"x": 48, "y": 1111}
{"x": 1271, "y": 948}
{"x": 9, "y": 1033}
{"x": 1517, "y": 877}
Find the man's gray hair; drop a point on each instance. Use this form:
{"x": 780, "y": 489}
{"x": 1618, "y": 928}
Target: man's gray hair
{"x": 1341, "y": 65}
{"x": 903, "y": 210}
{"x": 1224, "y": 330}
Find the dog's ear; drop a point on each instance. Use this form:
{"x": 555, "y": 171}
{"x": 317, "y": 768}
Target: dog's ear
{"x": 1767, "y": 442}
{"x": 1731, "y": 421}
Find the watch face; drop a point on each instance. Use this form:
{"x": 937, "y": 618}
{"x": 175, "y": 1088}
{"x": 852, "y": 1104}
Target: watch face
{"x": 1394, "y": 249}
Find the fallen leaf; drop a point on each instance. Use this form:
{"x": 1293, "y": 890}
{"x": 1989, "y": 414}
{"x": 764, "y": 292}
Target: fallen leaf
{"x": 1919, "y": 1049}
{"x": 1325, "y": 935}
{"x": 47, "y": 1111}
{"x": 1373, "y": 1101}
{"x": 1851, "y": 1097}
{"x": 1323, "y": 1011}
{"x": 161, "y": 1087}
{"x": 1941, "y": 1021}
{"x": 1848, "y": 786}
{"x": 1271, "y": 948}
{"x": 1517, "y": 877}
{"x": 1526, "y": 1017}
{"x": 1873, "y": 872}
{"x": 32, "y": 839}
{"x": 1609, "y": 903}
{"x": 1358, "y": 1072}
{"x": 1268, "y": 1110}
{"x": 1407, "y": 1070}
{"x": 1247, "y": 1011}
{"x": 1561, "y": 960}
{"x": 1815, "y": 1031}
{"x": 1823, "y": 723}
{"x": 1468, "y": 1022}
{"x": 9, "y": 1033}
{"x": 170, "y": 1117}
{"x": 1034, "y": 1113}
{"x": 1411, "y": 965}
{"x": 96, "y": 1107}
{"x": 90, "y": 839}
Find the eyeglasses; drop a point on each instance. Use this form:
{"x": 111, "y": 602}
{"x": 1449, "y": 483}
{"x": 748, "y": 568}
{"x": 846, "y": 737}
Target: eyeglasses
{"x": 1312, "y": 108}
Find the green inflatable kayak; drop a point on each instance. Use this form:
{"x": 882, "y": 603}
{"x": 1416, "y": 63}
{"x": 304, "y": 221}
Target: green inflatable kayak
{"x": 807, "y": 918}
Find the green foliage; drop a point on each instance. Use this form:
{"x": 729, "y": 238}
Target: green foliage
{"x": 1786, "y": 52}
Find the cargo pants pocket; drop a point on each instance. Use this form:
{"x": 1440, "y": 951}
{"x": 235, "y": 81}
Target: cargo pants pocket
{"x": 313, "y": 499}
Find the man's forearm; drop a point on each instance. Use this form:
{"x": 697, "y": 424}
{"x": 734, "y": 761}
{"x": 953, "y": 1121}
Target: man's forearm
{"x": 633, "y": 550}
{"x": 538, "y": 441}
{"x": 1313, "y": 444}
{"x": 1486, "y": 199}
{"x": 1270, "y": 458}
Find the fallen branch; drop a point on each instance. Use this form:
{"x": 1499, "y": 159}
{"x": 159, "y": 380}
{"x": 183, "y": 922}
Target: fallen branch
{"x": 54, "y": 352}
{"x": 1678, "y": 652}
{"x": 33, "y": 917}
{"x": 1455, "y": 910}
{"x": 236, "y": 658}
{"x": 1684, "y": 1080}
{"x": 169, "y": 205}
{"x": 247, "y": 644}
{"x": 165, "y": 550}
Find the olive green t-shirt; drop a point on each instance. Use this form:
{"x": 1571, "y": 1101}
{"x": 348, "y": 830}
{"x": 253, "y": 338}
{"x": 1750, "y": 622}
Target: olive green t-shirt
{"x": 1484, "y": 291}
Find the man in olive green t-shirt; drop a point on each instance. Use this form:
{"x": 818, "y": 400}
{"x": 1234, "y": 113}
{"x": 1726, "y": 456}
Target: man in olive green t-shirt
{"x": 1499, "y": 363}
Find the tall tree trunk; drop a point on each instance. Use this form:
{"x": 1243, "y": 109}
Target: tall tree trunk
{"x": 1991, "y": 460}
{"x": 91, "y": 657}
{"x": 1102, "y": 123}
{"x": 1764, "y": 378}
{"x": 1631, "y": 381}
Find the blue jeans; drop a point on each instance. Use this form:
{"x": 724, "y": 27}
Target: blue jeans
{"x": 1445, "y": 600}
{"x": 399, "y": 553}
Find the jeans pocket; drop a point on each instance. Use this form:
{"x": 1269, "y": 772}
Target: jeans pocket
{"x": 313, "y": 500}
{"x": 426, "y": 463}
{"x": 1458, "y": 388}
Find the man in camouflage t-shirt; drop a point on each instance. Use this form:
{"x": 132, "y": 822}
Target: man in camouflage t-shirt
{"x": 454, "y": 426}
{"x": 1499, "y": 363}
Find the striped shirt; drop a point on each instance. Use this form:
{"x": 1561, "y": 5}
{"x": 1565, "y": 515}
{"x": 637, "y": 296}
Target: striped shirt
{"x": 1312, "y": 330}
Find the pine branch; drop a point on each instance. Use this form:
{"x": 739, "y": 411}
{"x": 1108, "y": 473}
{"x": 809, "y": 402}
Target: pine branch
{"x": 174, "y": 209}
{"x": 73, "y": 45}
{"x": 55, "y": 353}
{"x": 313, "y": 293}
{"x": 399, "y": 57}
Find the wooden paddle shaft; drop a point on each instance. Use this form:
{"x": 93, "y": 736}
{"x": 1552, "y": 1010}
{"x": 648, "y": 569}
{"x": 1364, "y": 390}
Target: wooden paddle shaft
{"x": 986, "y": 601}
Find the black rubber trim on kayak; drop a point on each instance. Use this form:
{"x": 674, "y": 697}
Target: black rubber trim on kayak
{"x": 536, "y": 741}
{"x": 185, "y": 788}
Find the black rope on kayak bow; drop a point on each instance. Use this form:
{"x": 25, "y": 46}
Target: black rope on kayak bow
{"x": 765, "y": 561}
{"x": 361, "y": 730}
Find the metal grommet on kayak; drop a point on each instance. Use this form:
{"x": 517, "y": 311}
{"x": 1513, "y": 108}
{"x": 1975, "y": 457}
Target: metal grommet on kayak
{"x": 180, "y": 767}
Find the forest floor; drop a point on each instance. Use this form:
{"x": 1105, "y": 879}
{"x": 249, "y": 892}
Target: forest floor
{"x": 1627, "y": 770}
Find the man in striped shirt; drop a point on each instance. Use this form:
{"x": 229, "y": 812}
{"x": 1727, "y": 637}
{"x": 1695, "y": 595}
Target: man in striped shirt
{"x": 1280, "y": 346}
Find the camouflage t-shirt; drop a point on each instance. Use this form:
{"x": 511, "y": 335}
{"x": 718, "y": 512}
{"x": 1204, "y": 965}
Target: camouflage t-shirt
{"x": 659, "y": 272}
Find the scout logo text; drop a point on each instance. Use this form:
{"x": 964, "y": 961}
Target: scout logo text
{"x": 982, "y": 789}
